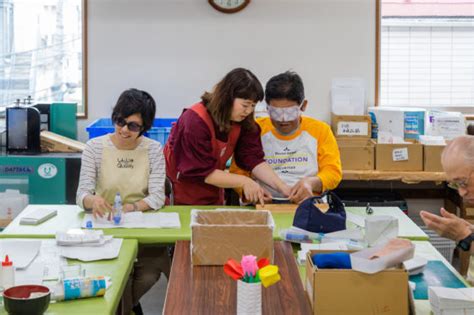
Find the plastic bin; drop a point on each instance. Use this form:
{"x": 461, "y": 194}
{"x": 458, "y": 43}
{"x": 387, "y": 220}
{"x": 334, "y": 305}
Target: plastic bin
{"x": 378, "y": 198}
{"x": 160, "y": 130}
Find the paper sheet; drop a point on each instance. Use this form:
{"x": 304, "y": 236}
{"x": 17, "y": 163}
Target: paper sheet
{"x": 20, "y": 252}
{"x": 137, "y": 220}
{"x": 109, "y": 250}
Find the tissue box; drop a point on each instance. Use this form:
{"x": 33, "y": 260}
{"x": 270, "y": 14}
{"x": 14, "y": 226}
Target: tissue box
{"x": 218, "y": 235}
{"x": 432, "y": 158}
{"x": 345, "y": 291}
{"x": 399, "y": 157}
{"x": 357, "y": 154}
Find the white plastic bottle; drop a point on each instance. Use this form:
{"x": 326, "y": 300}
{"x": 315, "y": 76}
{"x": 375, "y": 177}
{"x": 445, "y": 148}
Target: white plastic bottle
{"x": 118, "y": 209}
{"x": 8, "y": 273}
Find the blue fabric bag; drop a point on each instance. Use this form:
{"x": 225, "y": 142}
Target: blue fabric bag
{"x": 309, "y": 217}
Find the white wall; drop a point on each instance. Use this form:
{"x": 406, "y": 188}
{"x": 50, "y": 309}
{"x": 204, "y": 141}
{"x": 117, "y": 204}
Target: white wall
{"x": 176, "y": 49}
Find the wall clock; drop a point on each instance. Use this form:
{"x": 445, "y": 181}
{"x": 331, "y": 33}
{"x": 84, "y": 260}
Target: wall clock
{"x": 229, "y": 6}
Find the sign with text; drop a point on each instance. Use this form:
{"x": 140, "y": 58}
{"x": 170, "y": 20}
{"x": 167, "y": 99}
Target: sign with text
{"x": 352, "y": 128}
{"x": 400, "y": 154}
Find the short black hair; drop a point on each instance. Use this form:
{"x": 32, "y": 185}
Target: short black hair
{"x": 286, "y": 85}
{"x": 134, "y": 101}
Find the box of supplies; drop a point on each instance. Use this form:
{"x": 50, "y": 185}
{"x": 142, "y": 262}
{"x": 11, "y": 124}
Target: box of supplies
{"x": 399, "y": 157}
{"x": 217, "y": 235}
{"x": 357, "y": 154}
{"x": 345, "y": 291}
{"x": 432, "y": 158}
{"x": 353, "y": 126}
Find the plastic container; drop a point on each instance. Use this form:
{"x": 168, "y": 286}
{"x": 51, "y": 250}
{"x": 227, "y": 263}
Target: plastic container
{"x": 160, "y": 130}
{"x": 79, "y": 287}
{"x": 8, "y": 273}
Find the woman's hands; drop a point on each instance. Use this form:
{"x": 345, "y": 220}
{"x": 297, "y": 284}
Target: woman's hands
{"x": 100, "y": 207}
{"x": 254, "y": 193}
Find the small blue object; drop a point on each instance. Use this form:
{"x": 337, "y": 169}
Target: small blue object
{"x": 117, "y": 219}
{"x": 89, "y": 224}
{"x": 332, "y": 261}
{"x": 296, "y": 237}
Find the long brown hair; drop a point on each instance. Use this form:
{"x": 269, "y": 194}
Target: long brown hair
{"x": 239, "y": 83}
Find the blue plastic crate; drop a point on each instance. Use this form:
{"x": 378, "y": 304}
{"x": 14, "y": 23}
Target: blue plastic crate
{"x": 160, "y": 130}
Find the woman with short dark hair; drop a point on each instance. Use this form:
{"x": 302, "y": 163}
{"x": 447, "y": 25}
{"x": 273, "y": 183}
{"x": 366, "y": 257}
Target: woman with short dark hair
{"x": 208, "y": 134}
{"x": 134, "y": 166}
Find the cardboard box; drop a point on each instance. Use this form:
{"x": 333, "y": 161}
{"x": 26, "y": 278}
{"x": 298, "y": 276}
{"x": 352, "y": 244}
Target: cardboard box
{"x": 345, "y": 291}
{"x": 51, "y": 142}
{"x": 399, "y": 157}
{"x": 353, "y": 126}
{"x": 357, "y": 154}
{"x": 218, "y": 235}
{"x": 432, "y": 158}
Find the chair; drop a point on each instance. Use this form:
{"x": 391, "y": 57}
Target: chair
{"x": 169, "y": 191}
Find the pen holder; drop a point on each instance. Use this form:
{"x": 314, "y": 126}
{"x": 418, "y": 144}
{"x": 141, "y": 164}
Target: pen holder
{"x": 249, "y": 298}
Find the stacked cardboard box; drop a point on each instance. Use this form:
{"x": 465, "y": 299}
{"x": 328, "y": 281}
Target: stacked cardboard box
{"x": 353, "y": 138}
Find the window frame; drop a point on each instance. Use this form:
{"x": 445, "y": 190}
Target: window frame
{"x": 468, "y": 111}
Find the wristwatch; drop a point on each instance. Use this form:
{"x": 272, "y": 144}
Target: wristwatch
{"x": 465, "y": 244}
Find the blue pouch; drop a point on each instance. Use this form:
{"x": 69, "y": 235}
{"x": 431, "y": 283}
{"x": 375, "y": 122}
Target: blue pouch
{"x": 309, "y": 217}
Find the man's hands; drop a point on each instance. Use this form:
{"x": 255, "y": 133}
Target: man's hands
{"x": 304, "y": 189}
{"x": 447, "y": 225}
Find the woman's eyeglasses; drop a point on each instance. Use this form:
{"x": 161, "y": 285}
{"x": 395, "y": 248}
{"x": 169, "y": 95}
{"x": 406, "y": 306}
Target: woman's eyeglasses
{"x": 132, "y": 126}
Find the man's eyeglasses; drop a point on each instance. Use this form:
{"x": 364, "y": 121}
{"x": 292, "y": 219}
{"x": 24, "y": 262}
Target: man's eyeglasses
{"x": 462, "y": 184}
{"x": 132, "y": 126}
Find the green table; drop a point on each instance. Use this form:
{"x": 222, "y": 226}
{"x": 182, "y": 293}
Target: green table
{"x": 70, "y": 216}
{"x": 118, "y": 269}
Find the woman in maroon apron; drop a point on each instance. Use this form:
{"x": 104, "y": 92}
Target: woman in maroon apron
{"x": 210, "y": 132}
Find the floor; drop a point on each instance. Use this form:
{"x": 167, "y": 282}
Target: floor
{"x": 152, "y": 302}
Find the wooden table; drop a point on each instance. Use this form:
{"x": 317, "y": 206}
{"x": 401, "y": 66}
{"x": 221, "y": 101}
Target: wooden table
{"x": 208, "y": 290}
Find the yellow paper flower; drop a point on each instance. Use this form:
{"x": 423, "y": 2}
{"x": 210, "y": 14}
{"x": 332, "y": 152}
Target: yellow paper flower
{"x": 269, "y": 275}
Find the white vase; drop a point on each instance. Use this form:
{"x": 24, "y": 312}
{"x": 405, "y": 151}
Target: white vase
{"x": 249, "y": 298}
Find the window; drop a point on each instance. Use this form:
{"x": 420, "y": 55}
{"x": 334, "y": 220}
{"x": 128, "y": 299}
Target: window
{"x": 426, "y": 53}
{"x": 42, "y": 52}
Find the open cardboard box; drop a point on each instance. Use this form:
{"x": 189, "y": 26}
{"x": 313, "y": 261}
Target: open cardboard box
{"x": 346, "y": 291}
{"x": 218, "y": 235}
{"x": 432, "y": 158}
{"x": 352, "y": 126}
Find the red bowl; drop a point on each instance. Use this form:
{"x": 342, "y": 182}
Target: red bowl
{"x": 17, "y": 300}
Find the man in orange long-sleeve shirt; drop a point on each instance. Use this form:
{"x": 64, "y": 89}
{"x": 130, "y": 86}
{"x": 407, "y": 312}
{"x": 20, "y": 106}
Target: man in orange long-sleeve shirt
{"x": 300, "y": 149}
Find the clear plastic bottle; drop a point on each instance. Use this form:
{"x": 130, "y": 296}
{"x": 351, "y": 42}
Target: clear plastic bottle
{"x": 79, "y": 287}
{"x": 8, "y": 273}
{"x": 118, "y": 209}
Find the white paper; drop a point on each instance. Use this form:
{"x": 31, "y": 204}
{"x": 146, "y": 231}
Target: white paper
{"x": 361, "y": 261}
{"x": 109, "y": 250}
{"x": 451, "y": 299}
{"x": 352, "y": 128}
{"x": 348, "y": 96}
{"x": 415, "y": 265}
{"x": 380, "y": 229}
{"x": 32, "y": 275}
{"x": 356, "y": 219}
{"x": 137, "y": 220}
{"x": 400, "y": 154}
{"x": 20, "y": 252}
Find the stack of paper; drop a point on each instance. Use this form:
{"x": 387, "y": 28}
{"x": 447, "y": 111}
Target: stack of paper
{"x": 77, "y": 237}
{"x": 136, "y": 220}
{"x": 348, "y": 96}
{"x": 447, "y": 301}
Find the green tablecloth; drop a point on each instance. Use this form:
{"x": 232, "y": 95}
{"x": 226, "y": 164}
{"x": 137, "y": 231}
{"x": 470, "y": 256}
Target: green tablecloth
{"x": 71, "y": 217}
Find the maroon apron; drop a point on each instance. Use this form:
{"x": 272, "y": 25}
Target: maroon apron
{"x": 198, "y": 192}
